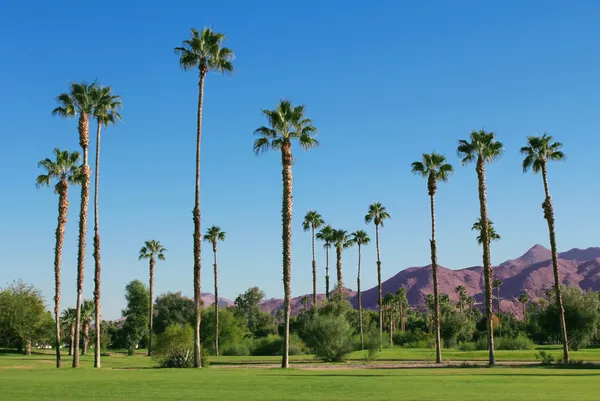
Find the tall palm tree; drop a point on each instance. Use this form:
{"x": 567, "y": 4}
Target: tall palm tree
{"x": 68, "y": 318}
{"x": 461, "y": 291}
{"x": 340, "y": 240}
{"x": 87, "y": 313}
{"x": 312, "y": 221}
{"x": 538, "y": 152}
{"x": 470, "y": 301}
{"x": 360, "y": 238}
{"x": 286, "y": 123}
{"x": 79, "y": 102}
{"x": 152, "y": 250}
{"x": 389, "y": 302}
{"x": 483, "y": 148}
{"x": 378, "y": 214}
{"x": 402, "y": 301}
{"x": 203, "y": 50}
{"x": 496, "y": 284}
{"x": 325, "y": 235}
{"x": 65, "y": 168}
{"x": 213, "y": 235}
{"x": 492, "y": 234}
{"x": 106, "y": 106}
{"x": 434, "y": 168}
{"x": 524, "y": 299}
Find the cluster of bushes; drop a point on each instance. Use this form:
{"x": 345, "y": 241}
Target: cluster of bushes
{"x": 519, "y": 343}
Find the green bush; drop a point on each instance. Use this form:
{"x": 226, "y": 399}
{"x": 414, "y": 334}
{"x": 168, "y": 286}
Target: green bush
{"x": 177, "y": 358}
{"x": 243, "y": 348}
{"x": 272, "y": 345}
{"x": 413, "y": 339}
{"x": 545, "y": 357}
{"x": 467, "y": 346}
{"x": 174, "y": 347}
{"x": 204, "y": 361}
{"x": 330, "y": 337}
{"x": 513, "y": 344}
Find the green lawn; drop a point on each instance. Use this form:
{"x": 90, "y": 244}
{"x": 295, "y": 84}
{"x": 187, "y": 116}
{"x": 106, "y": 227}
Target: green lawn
{"x": 133, "y": 378}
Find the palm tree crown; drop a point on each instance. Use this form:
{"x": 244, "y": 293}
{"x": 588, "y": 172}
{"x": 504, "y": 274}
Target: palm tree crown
{"x": 105, "y": 105}
{"x": 360, "y": 237}
{"x": 151, "y": 249}
{"x": 341, "y": 239}
{"x": 65, "y": 167}
{"x": 377, "y": 214}
{"x": 214, "y": 234}
{"x": 492, "y": 234}
{"x": 286, "y": 122}
{"x": 325, "y": 235}
{"x": 483, "y": 145}
{"x": 205, "y": 51}
{"x": 312, "y": 220}
{"x": 79, "y": 100}
{"x": 539, "y": 151}
{"x": 434, "y": 168}
{"x": 523, "y": 298}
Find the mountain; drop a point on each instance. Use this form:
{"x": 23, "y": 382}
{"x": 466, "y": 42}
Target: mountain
{"x": 273, "y": 304}
{"x": 209, "y": 299}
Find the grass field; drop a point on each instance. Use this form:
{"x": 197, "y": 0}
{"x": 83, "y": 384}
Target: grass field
{"x": 133, "y": 378}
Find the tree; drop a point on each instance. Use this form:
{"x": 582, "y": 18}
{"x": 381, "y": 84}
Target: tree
{"x": 151, "y": 250}
{"x": 105, "y": 110}
{"x": 68, "y": 318}
{"x": 492, "y": 234}
{"x": 172, "y": 309}
{"x": 483, "y": 148}
{"x": 203, "y": 50}
{"x": 87, "y": 313}
{"x": 434, "y": 168}
{"x": 65, "y": 168}
{"x": 389, "y": 302}
{"x": 538, "y": 152}
{"x": 378, "y": 214}
{"x": 214, "y": 234}
{"x": 79, "y": 101}
{"x": 246, "y": 306}
{"x": 340, "y": 240}
{"x": 286, "y": 123}
{"x": 136, "y": 313}
{"x": 325, "y": 235}
{"x": 524, "y": 299}
{"x": 470, "y": 301}
{"x": 360, "y": 238}
{"x": 496, "y": 284}
{"x": 312, "y": 221}
{"x": 402, "y": 302}
{"x": 461, "y": 291}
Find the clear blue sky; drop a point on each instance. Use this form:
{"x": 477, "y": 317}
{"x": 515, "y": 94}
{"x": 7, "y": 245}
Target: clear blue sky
{"x": 383, "y": 81}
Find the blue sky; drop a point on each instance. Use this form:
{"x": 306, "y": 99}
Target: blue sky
{"x": 383, "y": 81}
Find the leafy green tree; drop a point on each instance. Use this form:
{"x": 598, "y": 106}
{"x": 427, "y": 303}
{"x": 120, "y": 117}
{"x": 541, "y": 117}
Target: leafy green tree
{"x": 492, "y": 234}
{"x": 483, "y": 148}
{"x": 325, "y": 235}
{"x": 105, "y": 111}
{"x": 286, "y": 123}
{"x": 151, "y": 250}
{"x": 171, "y": 309}
{"x": 312, "y": 221}
{"x": 378, "y": 214}
{"x": 538, "y": 152}
{"x": 214, "y": 234}
{"x": 65, "y": 168}
{"x": 87, "y": 314}
{"x": 232, "y": 330}
{"x": 360, "y": 238}
{"x": 434, "y": 168}
{"x": 136, "y": 313}
{"x": 79, "y": 102}
{"x": 246, "y": 306}
{"x": 203, "y": 50}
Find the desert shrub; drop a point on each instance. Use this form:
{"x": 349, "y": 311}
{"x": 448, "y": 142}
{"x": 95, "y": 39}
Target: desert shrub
{"x": 204, "y": 361}
{"x": 414, "y": 339}
{"x": 330, "y": 337}
{"x": 512, "y": 344}
{"x": 174, "y": 347}
{"x": 177, "y": 358}
{"x": 372, "y": 345}
{"x": 273, "y": 345}
{"x": 545, "y": 357}
{"x": 243, "y": 348}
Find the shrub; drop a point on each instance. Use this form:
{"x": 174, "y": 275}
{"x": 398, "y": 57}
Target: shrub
{"x": 513, "y": 344}
{"x": 174, "y": 347}
{"x": 243, "y": 348}
{"x": 272, "y": 345}
{"x": 414, "y": 339}
{"x": 177, "y": 358}
{"x": 330, "y": 337}
{"x": 372, "y": 346}
{"x": 204, "y": 362}
{"x": 467, "y": 346}
{"x": 545, "y": 357}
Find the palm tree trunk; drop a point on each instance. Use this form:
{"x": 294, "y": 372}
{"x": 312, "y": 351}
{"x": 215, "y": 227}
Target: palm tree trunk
{"x": 97, "y": 253}
{"x": 63, "y": 207}
{"x": 380, "y": 297}
{"x": 197, "y": 232}
{"x": 151, "y": 312}
{"x": 327, "y": 272}
{"x": 498, "y": 298}
{"x": 86, "y": 338}
{"x": 28, "y": 347}
{"x": 487, "y": 266}
{"x": 286, "y": 217}
{"x": 72, "y": 336}
{"x": 391, "y": 329}
{"x": 216, "y": 299}
{"x": 549, "y": 216}
{"x": 314, "y": 268}
{"x": 436, "y": 290}
{"x": 83, "y": 214}
{"x": 338, "y": 265}
{"x": 360, "y": 311}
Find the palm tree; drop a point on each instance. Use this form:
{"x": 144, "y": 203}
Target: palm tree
{"x": 462, "y": 296}
{"x": 340, "y": 240}
{"x": 360, "y": 238}
{"x": 496, "y": 284}
{"x": 203, "y": 50}
{"x": 325, "y": 235}
{"x": 286, "y": 123}
{"x": 492, "y": 234}
{"x": 79, "y": 101}
{"x": 214, "y": 234}
{"x": 524, "y": 299}
{"x": 402, "y": 304}
{"x": 105, "y": 111}
{"x": 470, "y": 301}
{"x": 538, "y": 152}
{"x": 87, "y": 313}
{"x": 68, "y": 318}
{"x": 389, "y": 302}
{"x": 65, "y": 168}
{"x": 312, "y": 221}
{"x": 434, "y": 168}
{"x": 377, "y": 214}
{"x": 152, "y": 250}
{"x": 483, "y": 148}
